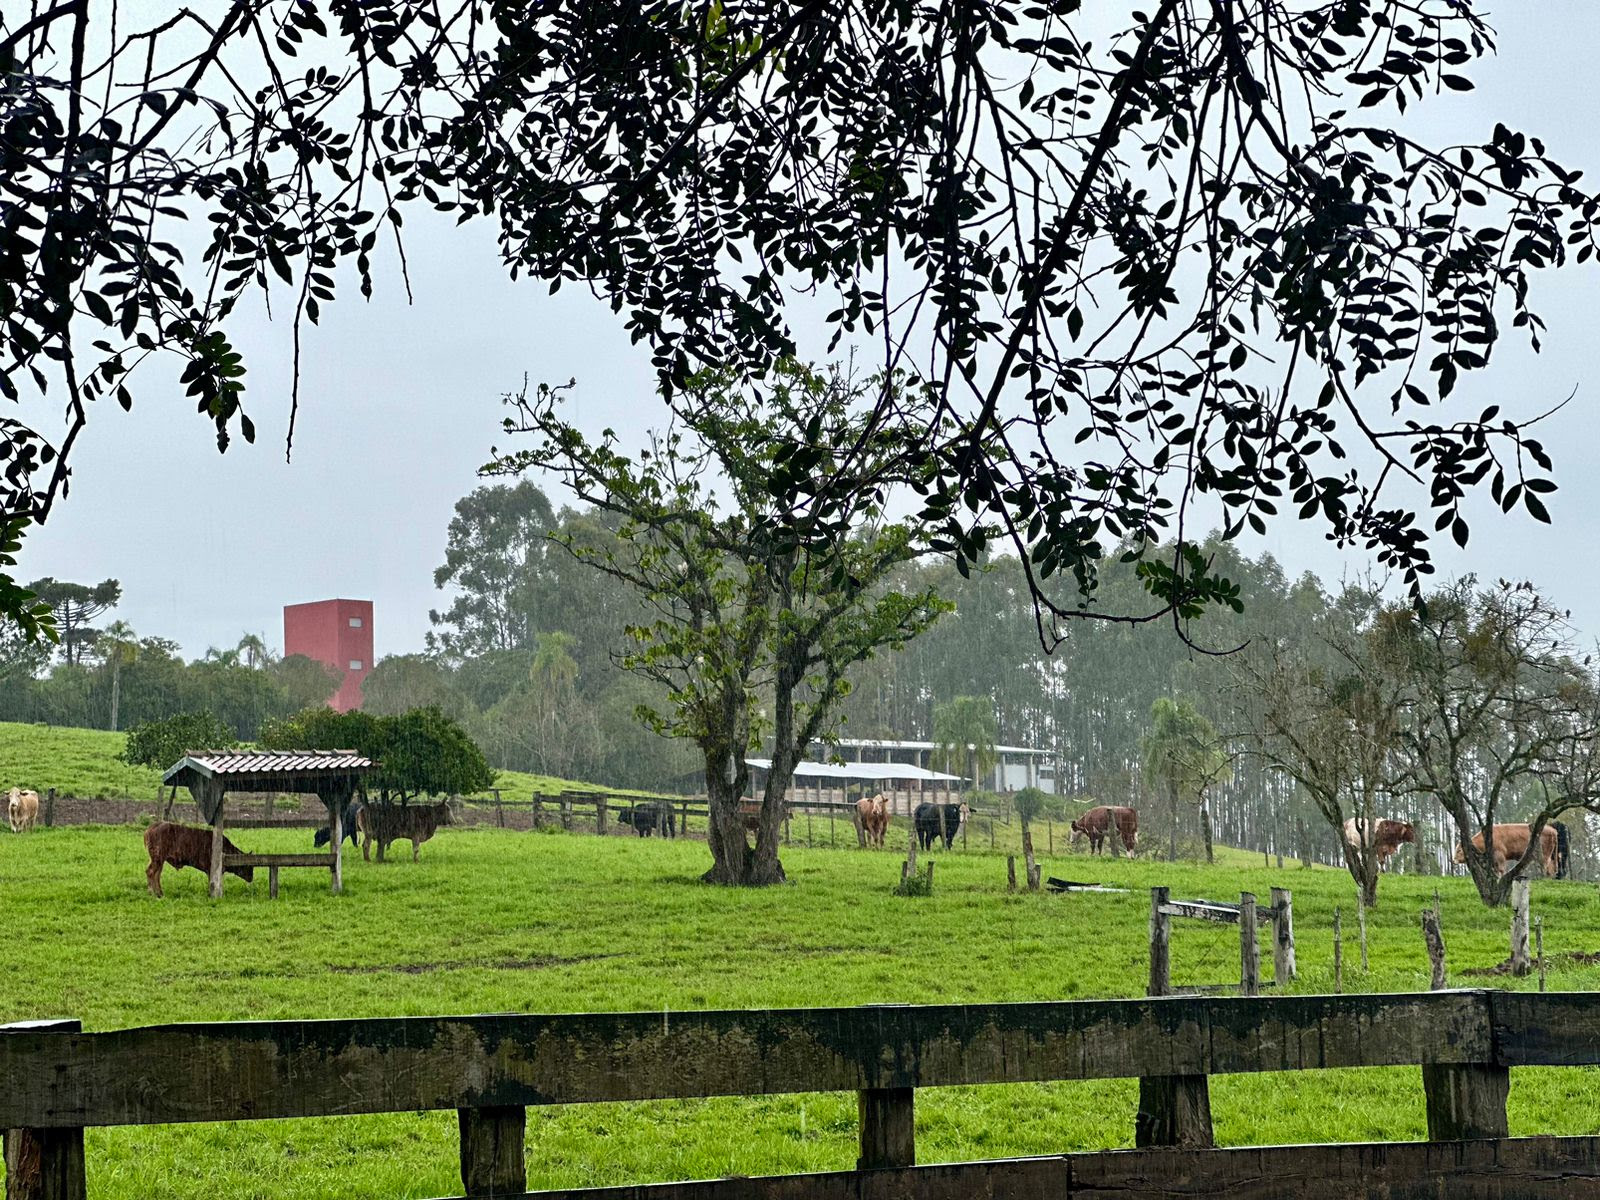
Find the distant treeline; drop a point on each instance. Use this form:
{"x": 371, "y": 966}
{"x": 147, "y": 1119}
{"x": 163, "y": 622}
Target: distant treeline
{"x": 523, "y": 655}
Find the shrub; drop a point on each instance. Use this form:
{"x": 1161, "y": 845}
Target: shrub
{"x": 159, "y": 744}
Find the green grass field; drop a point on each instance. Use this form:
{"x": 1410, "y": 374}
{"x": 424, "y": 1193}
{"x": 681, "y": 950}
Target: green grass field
{"x": 492, "y": 920}
{"x": 84, "y": 762}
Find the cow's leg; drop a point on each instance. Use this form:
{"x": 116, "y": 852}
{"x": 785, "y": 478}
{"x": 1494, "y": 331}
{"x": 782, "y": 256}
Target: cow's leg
{"x": 414, "y": 845}
{"x": 152, "y": 876}
{"x": 382, "y": 846}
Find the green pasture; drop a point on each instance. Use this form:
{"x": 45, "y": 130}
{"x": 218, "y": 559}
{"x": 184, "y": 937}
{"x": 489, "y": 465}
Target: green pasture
{"x": 492, "y": 920}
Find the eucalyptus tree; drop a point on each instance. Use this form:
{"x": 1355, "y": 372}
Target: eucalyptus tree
{"x": 1141, "y": 256}
{"x": 964, "y": 736}
{"x": 118, "y": 646}
{"x": 738, "y": 613}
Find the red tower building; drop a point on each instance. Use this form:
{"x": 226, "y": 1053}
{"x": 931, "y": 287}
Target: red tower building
{"x": 336, "y": 632}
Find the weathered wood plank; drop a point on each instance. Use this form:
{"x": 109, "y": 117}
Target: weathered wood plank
{"x": 169, "y": 1073}
{"x": 325, "y": 861}
{"x": 887, "y": 1132}
{"x": 1507, "y": 1169}
{"x": 44, "y": 1164}
{"x": 1466, "y": 1101}
{"x": 493, "y": 1149}
{"x": 1207, "y": 910}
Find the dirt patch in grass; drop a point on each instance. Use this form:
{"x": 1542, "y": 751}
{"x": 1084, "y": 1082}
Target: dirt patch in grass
{"x": 537, "y": 963}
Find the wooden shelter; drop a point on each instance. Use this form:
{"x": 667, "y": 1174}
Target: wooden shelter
{"x": 333, "y": 776}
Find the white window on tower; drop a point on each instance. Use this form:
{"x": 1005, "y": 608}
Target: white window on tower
{"x": 355, "y": 622}
{"x": 355, "y": 664}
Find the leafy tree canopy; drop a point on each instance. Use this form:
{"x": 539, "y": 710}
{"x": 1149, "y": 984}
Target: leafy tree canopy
{"x": 161, "y": 743}
{"x": 1193, "y": 251}
{"x": 422, "y": 752}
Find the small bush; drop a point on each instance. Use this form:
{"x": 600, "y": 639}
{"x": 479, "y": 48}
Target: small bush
{"x": 919, "y": 884}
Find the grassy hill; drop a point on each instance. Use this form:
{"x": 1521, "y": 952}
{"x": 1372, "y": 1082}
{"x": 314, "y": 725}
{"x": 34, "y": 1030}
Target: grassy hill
{"x": 84, "y": 762}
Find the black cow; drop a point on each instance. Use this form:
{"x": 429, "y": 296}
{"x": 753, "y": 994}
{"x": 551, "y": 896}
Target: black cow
{"x": 348, "y": 826}
{"x": 935, "y": 821}
{"x": 648, "y": 817}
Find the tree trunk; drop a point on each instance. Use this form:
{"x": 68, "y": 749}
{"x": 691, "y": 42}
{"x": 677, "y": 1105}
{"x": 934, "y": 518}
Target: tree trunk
{"x": 1205, "y": 828}
{"x": 734, "y": 861}
{"x": 1172, "y": 812}
{"x": 116, "y": 692}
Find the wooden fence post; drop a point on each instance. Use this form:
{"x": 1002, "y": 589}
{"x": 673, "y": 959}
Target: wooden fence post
{"x": 1174, "y": 1110}
{"x": 492, "y": 1155}
{"x": 1435, "y": 940}
{"x": 44, "y": 1164}
{"x": 1538, "y": 941}
{"x": 50, "y": 808}
{"x": 600, "y": 816}
{"x": 499, "y": 809}
{"x": 1249, "y": 955}
{"x": 538, "y": 811}
{"x": 1338, "y": 954}
{"x": 1283, "y": 968}
{"x": 1361, "y": 921}
{"x": 336, "y": 833}
{"x": 888, "y": 1128}
{"x": 1520, "y": 964}
{"x": 217, "y": 842}
{"x": 566, "y": 813}
{"x": 1011, "y": 872}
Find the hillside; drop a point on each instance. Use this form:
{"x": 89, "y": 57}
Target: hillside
{"x": 84, "y": 762}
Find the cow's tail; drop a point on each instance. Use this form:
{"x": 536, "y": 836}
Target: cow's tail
{"x": 1563, "y": 863}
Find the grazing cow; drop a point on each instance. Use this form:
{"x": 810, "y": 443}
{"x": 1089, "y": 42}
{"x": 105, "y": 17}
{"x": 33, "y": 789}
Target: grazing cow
{"x": 1511, "y": 843}
{"x": 873, "y": 814}
{"x": 347, "y": 826}
{"x": 1383, "y": 835}
{"x": 385, "y": 823}
{"x": 1096, "y": 824}
{"x": 648, "y": 817}
{"x": 933, "y": 821}
{"x": 22, "y": 809}
{"x": 184, "y": 846}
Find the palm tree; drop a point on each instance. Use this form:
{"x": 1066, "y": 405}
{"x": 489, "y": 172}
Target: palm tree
{"x": 963, "y": 736}
{"x": 252, "y": 648}
{"x": 121, "y": 648}
{"x": 1183, "y": 753}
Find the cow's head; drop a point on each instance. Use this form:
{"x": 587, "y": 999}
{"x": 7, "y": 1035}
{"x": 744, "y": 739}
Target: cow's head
{"x": 1405, "y": 831}
{"x": 1077, "y": 831}
{"x": 1460, "y": 856}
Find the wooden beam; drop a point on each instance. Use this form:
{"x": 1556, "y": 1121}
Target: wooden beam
{"x": 218, "y": 840}
{"x": 888, "y": 1129}
{"x": 44, "y": 1164}
{"x": 163, "y": 1074}
{"x": 1506, "y": 1169}
{"x": 325, "y": 861}
{"x": 493, "y": 1150}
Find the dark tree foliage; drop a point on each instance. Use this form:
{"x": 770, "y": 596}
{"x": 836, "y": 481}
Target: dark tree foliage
{"x": 1182, "y": 254}
{"x": 421, "y": 752}
{"x": 161, "y": 743}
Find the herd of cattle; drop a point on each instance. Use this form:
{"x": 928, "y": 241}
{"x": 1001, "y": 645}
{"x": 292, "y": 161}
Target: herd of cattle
{"x": 179, "y": 846}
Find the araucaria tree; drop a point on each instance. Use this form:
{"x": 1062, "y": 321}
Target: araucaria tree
{"x": 1500, "y": 713}
{"x": 1198, "y": 247}
{"x": 758, "y": 602}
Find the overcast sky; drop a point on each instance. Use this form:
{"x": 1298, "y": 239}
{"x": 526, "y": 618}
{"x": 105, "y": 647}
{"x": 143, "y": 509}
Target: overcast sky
{"x": 400, "y": 406}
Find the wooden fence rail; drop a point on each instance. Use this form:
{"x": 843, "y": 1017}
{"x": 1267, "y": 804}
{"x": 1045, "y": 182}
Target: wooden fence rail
{"x": 56, "y": 1080}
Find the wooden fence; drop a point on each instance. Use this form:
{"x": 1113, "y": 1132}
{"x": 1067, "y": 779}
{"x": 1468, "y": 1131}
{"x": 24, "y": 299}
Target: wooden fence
{"x": 56, "y": 1080}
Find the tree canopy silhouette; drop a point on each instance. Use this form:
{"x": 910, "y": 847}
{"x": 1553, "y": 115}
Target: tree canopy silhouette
{"x": 1180, "y": 258}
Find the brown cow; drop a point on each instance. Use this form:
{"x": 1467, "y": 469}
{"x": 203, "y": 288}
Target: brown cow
{"x": 184, "y": 846}
{"x": 22, "y": 809}
{"x": 1511, "y": 843}
{"x": 1383, "y": 835}
{"x": 873, "y": 814}
{"x": 385, "y": 823}
{"x": 1096, "y": 823}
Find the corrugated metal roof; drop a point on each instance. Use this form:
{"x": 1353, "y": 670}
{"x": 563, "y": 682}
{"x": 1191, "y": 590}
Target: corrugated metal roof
{"x": 224, "y": 763}
{"x": 862, "y": 771}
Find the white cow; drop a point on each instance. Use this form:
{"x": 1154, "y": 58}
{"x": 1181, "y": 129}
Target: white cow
{"x": 22, "y": 809}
